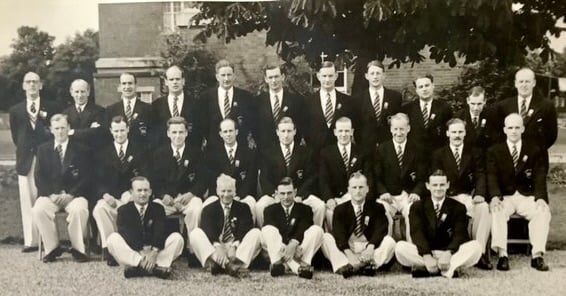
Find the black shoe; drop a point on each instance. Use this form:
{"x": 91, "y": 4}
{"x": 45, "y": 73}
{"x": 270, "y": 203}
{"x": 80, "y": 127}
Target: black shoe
{"x": 28, "y": 249}
{"x": 456, "y": 274}
{"x": 215, "y": 268}
{"x": 503, "y": 263}
{"x": 277, "y": 269}
{"x": 484, "y": 263}
{"x": 538, "y": 264}
{"x": 420, "y": 272}
{"x": 78, "y": 256}
{"x": 368, "y": 270}
{"x": 57, "y": 252}
{"x": 161, "y": 272}
{"x": 306, "y": 271}
{"x": 110, "y": 261}
{"x": 235, "y": 269}
{"x": 346, "y": 271}
{"x": 387, "y": 266}
{"x": 131, "y": 272}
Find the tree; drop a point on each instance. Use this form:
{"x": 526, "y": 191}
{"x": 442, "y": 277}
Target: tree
{"x": 397, "y": 29}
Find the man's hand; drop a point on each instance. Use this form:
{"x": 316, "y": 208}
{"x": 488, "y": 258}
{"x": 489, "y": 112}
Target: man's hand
{"x": 478, "y": 199}
{"x": 413, "y": 197}
{"x": 71, "y": 132}
{"x": 149, "y": 260}
{"x": 110, "y": 200}
{"x": 430, "y": 264}
{"x": 65, "y": 199}
{"x": 167, "y": 200}
{"x": 444, "y": 260}
{"x": 290, "y": 250}
{"x": 56, "y": 199}
{"x": 541, "y": 204}
{"x": 367, "y": 254}
{"x": 231, "y": 251}
{"x": 94, "y": 125}
{"x": 220, "y": 255}
{"x": 495, "y": 204}
{"x": 386, "y": 197}
{"x": 331, "y": 204}
{"x": 298, "y": 199}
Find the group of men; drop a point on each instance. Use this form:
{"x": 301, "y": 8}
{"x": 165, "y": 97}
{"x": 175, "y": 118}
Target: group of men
{"x": 272, "y": 171}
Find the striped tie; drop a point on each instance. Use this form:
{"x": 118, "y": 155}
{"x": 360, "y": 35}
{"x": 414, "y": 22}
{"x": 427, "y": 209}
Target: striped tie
{"x": 377, "y": 106}
{"x": 32, "y": 115}
{"x": 328, "y": 111}
{"x": 129, "y": 111}
{"x": 287, "y": 216}
{"x": 178, "y": 157}
{"x": 227, "y": 234}
{"x": 425, "y": 114}
{"x": 400, "y": 155}
{"x": 515, "y": 156}
{"x": 457, "y": 157}
{"x": 345, "y": 157}
{"x": 475, "y": 121}
{"x": 287, "y": 155}
{"x": 231, "y": 155}
{"x": 358, "y": 230}
{"x": 226, "y": 105}
{"x": 121, "y": 153}
{"x": 276, "y": 109}
{"x": 32, "y": 108}
{"x": 175, "y": 108}
{"x": 437, "y": 209}
{"x": 524, "y": 108}
{"x": 79, "y": 110}
{"x": 59, "y": 150}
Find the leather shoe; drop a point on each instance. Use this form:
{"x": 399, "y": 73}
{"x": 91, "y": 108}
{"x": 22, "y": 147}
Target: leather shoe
{"x": 52, "y": 256}
{"x": 78, "y": 256}
{"x": 215, "y": 268}
{"x": 538, "y": 264}
{"x": 503, "y": 263}
{"x": 346, "y": 271}
{"x": 306, "y": 271}
{"x": 420, "y": 272}
{"x": 368, "y": 270}
{"x": 131, "y": 272}
{"x": 28, "y": 249}
{"x": 110, "y": 261}
{"x": 277, "y": 269}
{"x": 161, "y": 272}
{"x": 484, "y": 263}
{"x": 235, "y": 270}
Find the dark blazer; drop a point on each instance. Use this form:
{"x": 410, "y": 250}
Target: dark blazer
{"x": 333, "y": 175}
{"x": 301, "y": 170}
{"x": 243, "y": 112}
{"x": 317, "y": 133}
{"x": 292, "y": 105}
{"x": 372, "y": 131}
{"x": 485, "y": 134}
{"x": 113, "y": 176}
{"x": 244, "y": 169}
{"x": 92, "y": 137}
{"x": 344, "y": 223}
{"x": 470, "y": 178}
{"x": 162, "y": 113}
{"x": 300, "y": 220}
{"x": 434, "y": 135}
{"x": 73, "y": 177}
{"x": 151, "y": 233}
{"x": 392, "y": 179}
{"x": 169, "y": 178}
{"x": 447, "y": 232}
{"x": 140, "y": 127}
{"x": 212, "y": 221}
{"x": 528, "y": 179}
{"x": 25, "y": 137}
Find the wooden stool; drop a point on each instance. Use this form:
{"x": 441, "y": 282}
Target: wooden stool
{"x": 61, "y": 219}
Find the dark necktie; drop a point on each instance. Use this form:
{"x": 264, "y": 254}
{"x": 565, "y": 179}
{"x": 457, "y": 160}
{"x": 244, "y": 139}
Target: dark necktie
{"x": 121, "y": 153}
{"x": 515, "y": 156}
{"x": 129, "y": 112}
{"x": 425, "y": 114}
{"x": 457, "y": 157}
{"x": 227, "y": 232}
{"x": 358, "y": 231}
{"x": 231, "y": 155}
{"x": 377, "y": 106}
{"x": 79, "y": 110}
{"x": 276, "y": 109}
{"x": 287, "y": 216}
{"x": 59, "y": 150}
{"x": 32, "y": 108}
{"x": 523, "y": 108}
{"x": 400, "y": 155}
{"x": 178, "y": 157}
{"x": 437, "y": 209}
{"x": 475, "y": 121}
{"x": 328, "y": 111}
{"x": 175, "y": 108}
{"x": 142, "y": 214}
{"x": 287, "y": 155}
{"x": 226, "y": 105}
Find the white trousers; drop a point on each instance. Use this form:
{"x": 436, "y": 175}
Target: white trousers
{"x": 399, "y": 203}
{"x": 248, "y": 249}
{"x": 249, "y": 200}
{"x": 126, "y": 256}
{"x": 381, "y": 255}
{"x": 28, "y": 195}
{"x": 44, "y": 217}
{"x": 467, "y": 255}
{"x": 273, "y": 244}
{"x": 525, "y": 206}
{"x": 481, "y": 218}
{"x": 192, "y": 212}
{"x": 316, "y": 204}
{"x": 105, "y": 217}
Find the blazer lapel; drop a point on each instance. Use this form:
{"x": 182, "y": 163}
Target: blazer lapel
{"x": 521, "y": 162}
{"x": 465, "y": 158}
{"x": 430, "y": 214}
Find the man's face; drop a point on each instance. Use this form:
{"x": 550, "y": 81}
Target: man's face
{"x": 141, "y": 192}
{"x": 286, "y": 194}
{"x": 225, "y": 77}
{"x": 119, "y": 131}
{"x": 456, "y": 133}
{"x": 226, "y": 192}
{"x": 228, "y": 132}
{"x": 80, "y": 92}
{"x": 525, "y": 82}
{"x": 32, "y": 84}
{"x": 424, "y": 88}
{"x": 375, "y": 76}
{"x": 399, "y": 130}
{"x": 286, "y": 133}
{"x": 127, "y": 86}
{"x": 513, "y": 128}
{"x": 327, "y": 77}
{"x": 437, "y": 185}
{"x": 343, "y": 132}
{"x": 358, "y": 189}
{"x": 177, "y": 133}
{"x": 476, "y": 104}
{"x": 274, "y": 79}
{"x": 174, "y": 81}
{"x": 60, "y": 130}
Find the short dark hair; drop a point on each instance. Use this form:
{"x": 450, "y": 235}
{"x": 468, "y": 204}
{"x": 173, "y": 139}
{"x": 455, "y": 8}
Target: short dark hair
{"x": 273, "y": 66}
{"x": 130, "y": 74}
{"x": 222, "y": 64}
{"x": 119, "y": 119}
{"x": 286, "y": 119}
{"x": 455, "y": 120}
{"x": 327, "y": 64}
{"x": 177, "y": 120}
{"x": 178, "y": 68}
{"x": 375, "y": 63}
{"x": 227, "y": 119}
{"x": 427, "y": 75}
{"x": 286, "y": 181}
{"x": 476, "y": 91}
{"x": 438, "y": 173}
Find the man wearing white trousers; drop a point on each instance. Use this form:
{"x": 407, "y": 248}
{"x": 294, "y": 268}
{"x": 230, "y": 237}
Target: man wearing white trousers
{"x": 62, "y": 176}
{"x": 140, "y": 243}
{"x": 516, "y": 178}
{"x": 289, "y": 236}
{"x": 359, "y": 243}
{"x": 226, "y": 240}
{"x": 441, "y": 245}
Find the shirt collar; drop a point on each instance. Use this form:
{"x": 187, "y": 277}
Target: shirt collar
{"x": 235, "y": 147}
{"x": 289, "y": 208}
{"x": 527, "y": 103}
{"x": 440, "y": 202}
{"x": 180, "y": 97}
{"x": 139, "y": 207}
{"x": 400, "y": 144}
{"x": 283, "y": 146}
{"x": 131, "y": 101}
{"x": 518, "y": 144}
{"x": 460, "y": 148}
{"x": 356, "y": 206}
{"x": 347, "y": 146}
{"x": 117, "y": 146}
{"x": 279, "y": 94}
{"x": 181, "y": 150}
{"x": 372, "y": 92}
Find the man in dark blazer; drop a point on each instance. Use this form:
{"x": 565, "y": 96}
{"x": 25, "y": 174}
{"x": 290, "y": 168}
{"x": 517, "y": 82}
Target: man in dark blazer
{"x": 227, "y": 101}
{"x": 226, "y": 240}
{"x": 516, "y": 180}
{"x": 235, "y": 160}
{"x": 359, "y": 242}
{"x": 441, "y": 245}
{"x": 137, "y": 113}
{"x": 481, "y": 130}
{"x": 140, "y": 243}
{"x": 288, "y": 159}
{"x": 428, "y": 116}
{"x": 116, "y": 164}
{"x": 375, "y": 106}
{"x": 337, "y": 162}
{"x": 86, "y": 118}
{"x": 177, "y": 174}
{"x": 289, "y": 236}
{"x": 275, "y": 104}
{"x": 176, "y": 103}
{"x": 323, "y": 108}
{"x": 400, "y": 172}
{"x": 62, "y": 175}
{"x": 29, "y": 126}
{"x": 464, "y": 166}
